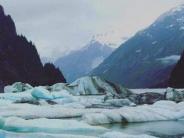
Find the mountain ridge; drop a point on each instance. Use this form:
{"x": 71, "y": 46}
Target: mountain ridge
{"x": 138, "y": 63}
{"x": 19, "y": 59}
{"x": 80, "y": 62}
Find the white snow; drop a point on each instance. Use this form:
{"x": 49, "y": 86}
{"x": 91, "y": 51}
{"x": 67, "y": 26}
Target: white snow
{"x": 154, "y": 42}
{"x": 138, "y": 51}
{"x": 169, "y": 59}
{"x": 29, "y": 111}
{"x": 149, "y": 35}
{"x": 17, "y": 87}
{"x": 177, "y": 9}
{"x": 17, "y": 97}
{"x": 97, "y": 61}
{"x": 182, "y": 28}
{"x": 170, "y": 26}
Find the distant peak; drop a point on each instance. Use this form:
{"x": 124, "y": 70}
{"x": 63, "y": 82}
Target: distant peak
{"x": 175, "y": 12}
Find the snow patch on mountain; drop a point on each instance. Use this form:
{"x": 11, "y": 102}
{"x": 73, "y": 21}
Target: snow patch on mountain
{"x": 154, "y": 42}
{"x": 97, "y": 61}
{"x": 138, "y": 51}
{"x": 169, "y": 59}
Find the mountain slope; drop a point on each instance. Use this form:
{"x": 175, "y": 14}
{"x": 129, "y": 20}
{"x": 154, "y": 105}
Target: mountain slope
{"x": 81, "y": 62}
{"x": 146, "y": 59}
{"x": 177, "y": 76}
{"x": 19, "y": 59}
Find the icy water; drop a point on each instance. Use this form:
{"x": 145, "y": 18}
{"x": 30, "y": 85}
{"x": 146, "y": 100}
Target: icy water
{"x": 162, "y": 129}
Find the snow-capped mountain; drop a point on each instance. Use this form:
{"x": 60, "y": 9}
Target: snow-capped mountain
{"x": 147, "y": 59}
{"x": 81, "y": 62}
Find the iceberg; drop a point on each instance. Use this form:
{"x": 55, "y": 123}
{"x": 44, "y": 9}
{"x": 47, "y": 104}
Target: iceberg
{"x": 41, "y": 93}
{"x": 120, "y": 102}
{"x": 174, "y": 95}
{"x": 29, "y": 111}
{"x": 58, "y": 87}
{"x": 160, "y": 111}
{"x": 97, "y": 86}
{"x": 17, "y": 87}
{"x": 18, "y": 97}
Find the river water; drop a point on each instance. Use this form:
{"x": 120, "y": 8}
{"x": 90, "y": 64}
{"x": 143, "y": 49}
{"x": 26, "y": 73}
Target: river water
{"x": 163, "y": 129}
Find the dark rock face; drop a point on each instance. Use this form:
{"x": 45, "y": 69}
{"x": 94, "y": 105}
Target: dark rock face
{"x": 177, "y": 75}
{"x": 174, "y": 95}
{"x": 52, "y": 75}
{"x": 19, "y": 59}
{"x": 148, "y": 98}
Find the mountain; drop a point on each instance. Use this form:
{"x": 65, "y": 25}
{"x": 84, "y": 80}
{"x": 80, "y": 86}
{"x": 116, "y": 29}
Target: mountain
{"x": 147, "y": 59}
{"x": 52, "y": 75}
{"x": 177, "y": 75}
{"x": 19, "y": 59}
{"x": 81, "y": 62}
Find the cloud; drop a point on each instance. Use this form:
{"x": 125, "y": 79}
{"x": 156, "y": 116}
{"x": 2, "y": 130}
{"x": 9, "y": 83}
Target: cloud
{"x": 59, "y": 26}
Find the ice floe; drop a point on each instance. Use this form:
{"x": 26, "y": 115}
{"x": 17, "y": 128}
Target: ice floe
{"x": 70, "y": 110}
{"x": 160, "y": 111}
{"x": 17, "y": 87}
{"x": 49, "y": 126}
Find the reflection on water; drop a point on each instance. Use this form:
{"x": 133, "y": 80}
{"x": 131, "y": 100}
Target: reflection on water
{"x": 165, "y": 129}
{"x": 162, "y": 129}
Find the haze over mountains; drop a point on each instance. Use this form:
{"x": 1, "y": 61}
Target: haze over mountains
{"x": 79, "y": 63}
{"x": 147, "y": 59}
{"x": 19, "y": 59}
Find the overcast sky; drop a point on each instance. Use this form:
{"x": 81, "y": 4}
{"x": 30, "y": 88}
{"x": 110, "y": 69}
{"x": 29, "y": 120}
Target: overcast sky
{"x": 59, "y": 26}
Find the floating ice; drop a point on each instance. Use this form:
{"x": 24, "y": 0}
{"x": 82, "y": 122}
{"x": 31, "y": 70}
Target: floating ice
{"x": 17, "y": 87}
{"x": 160, "y": 111}
{"x": 97, "y": 86}
{"x": 49, "y": 126}
{"x": 120, "y": 102}
{"x": 17, "y": 97}
{"x": 41, "y": 93}
{"x": 29, "y": 111}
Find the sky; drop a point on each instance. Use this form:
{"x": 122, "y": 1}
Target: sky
{"x": 58, "y": 27}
